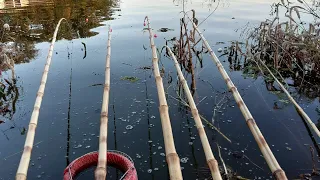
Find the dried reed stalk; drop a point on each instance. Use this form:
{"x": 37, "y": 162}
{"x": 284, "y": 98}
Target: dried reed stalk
{"x": 298, "y": 107}
{"x": 101, "y": 170}
{"x": 212, "y": 162}
{"x": 171, "y": 154}
{"x": 272, "y": 162}
{"x": 26, "y": 155}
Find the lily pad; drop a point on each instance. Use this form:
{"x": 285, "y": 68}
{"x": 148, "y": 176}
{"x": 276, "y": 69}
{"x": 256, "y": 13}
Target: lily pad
{"x": 130, "y": 78}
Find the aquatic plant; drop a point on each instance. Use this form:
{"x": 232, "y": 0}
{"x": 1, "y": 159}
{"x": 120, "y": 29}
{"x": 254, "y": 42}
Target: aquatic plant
{"x": 172, "y": 157}
{"x": 290, "y": 46}
{"x": 130, "y": 78}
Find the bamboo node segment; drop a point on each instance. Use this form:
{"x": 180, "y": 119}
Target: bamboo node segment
{"x": 21, "y": 176}
{"x": 100, "y": 173}
{"x": 279, "y": 174}
{"x": 172, "y": 158}
{"x": 213, "y": 165}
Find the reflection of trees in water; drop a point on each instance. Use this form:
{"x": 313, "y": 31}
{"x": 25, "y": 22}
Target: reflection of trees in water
{"x": 37, "y": 21}
{"x": 9, "y": 95}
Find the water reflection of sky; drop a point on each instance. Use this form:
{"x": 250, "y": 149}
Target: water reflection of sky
{"x": 135, "y": 104}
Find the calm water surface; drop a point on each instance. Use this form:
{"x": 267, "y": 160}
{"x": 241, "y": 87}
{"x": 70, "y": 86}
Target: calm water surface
{"x": 134, "y": 123}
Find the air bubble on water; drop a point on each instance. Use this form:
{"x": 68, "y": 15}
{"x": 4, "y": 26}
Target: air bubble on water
{"x": 122, "y": 119}
{"x": 159, "y": 147}
{"x": 154, "y": 153}
{"x": 87, "y": 147}
{"x": 124, "y": 132}
{"x": 184, "y": 160}
{"x": 138, "y": 156}
{"x": 229, "y": 121}
{"x": 149, "y": 171}
{"x": 190, "y": 143}
{"x": 156, "y": 169}
{"x": 129, "y": 127}
{"x": 149, "y": 141}
{"x": 134, "y": 112}
{"x": 193, "y": 138}
{"x": 162, "y": 154}
{"x": 39, "y": 176}
{"x": 152, "y": 117}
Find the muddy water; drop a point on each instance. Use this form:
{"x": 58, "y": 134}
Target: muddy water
{"x": 134, "y": 123}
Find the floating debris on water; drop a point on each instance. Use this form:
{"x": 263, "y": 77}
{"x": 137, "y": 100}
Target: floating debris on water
{"x": 129, "y": 127}
{"x": 165, "y": 30}
{"x": 184, "y": 160}
{"x": 122, "y": 119}
{"x": 78, "y": 146}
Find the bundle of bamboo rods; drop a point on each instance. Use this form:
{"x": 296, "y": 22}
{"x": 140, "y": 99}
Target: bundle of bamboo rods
{"x": 304, "y": 115}
{"x": 101, "y": 170}
{"x": 272, "y": 162}
{"x": 26, "y": 155}
{"x": 171, "y": 154}
{"x": 212, "y": 162}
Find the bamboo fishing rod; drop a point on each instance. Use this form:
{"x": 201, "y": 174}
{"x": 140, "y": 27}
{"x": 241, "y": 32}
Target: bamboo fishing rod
{"x": 26, "y": 155}
{"x": 304, "y": 115}
{"x": 171, "y": 154}
{"x": 212, "y": 162}
{"x": 272, "y": 162}
{"x": 101, "y": 170}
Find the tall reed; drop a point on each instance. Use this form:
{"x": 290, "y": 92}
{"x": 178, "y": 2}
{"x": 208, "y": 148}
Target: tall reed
{"x": 171, "y": 154}
{"x": 101, "y": 170}
{"x": 272, "y": 162}
{"x": 26, "y": 155}
{"x": 212, "y": 162}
